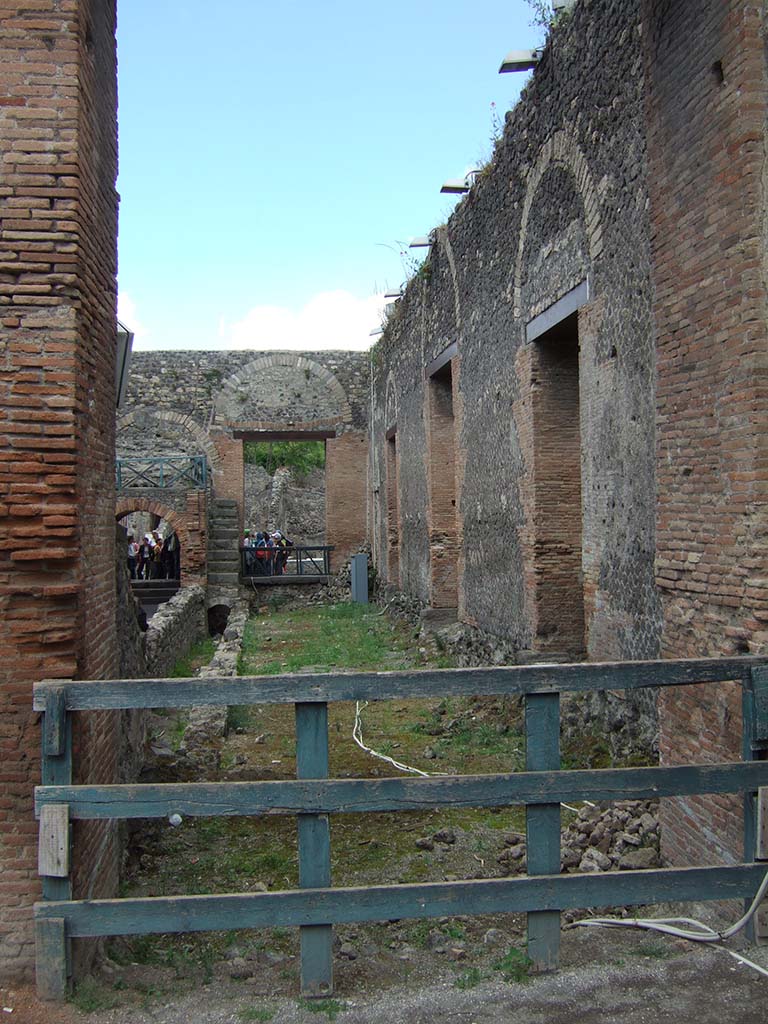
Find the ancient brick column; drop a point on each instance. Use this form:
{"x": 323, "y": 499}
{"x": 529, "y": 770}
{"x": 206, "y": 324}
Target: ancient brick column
{"x": 58, "y": 164}
{"x": 706, "y": 107}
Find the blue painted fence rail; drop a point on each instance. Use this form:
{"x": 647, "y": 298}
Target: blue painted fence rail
{"x": 316, "y": 907}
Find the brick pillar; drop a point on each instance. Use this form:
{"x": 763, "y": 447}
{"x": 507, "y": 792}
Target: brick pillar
{"x": 346, "y": 459}
{"x": 706, "y": 110}
{"x": 57, "y": 310}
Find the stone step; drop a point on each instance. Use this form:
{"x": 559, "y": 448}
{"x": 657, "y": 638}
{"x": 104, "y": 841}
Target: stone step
{"x": 225, "y": 533}
{"x": 223, "y": 565}
{"x": 221, "y": 579}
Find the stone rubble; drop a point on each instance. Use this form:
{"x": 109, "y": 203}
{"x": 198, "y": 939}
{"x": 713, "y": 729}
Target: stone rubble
{"x": 621, "y": 837}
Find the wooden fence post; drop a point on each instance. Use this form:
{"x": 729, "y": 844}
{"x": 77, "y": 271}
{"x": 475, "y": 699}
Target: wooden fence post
{"x": 51, "y": 944}
{"x": 314, "y": 848}
{"x": 754, "y": 744}
{"x": 542, "y": 752}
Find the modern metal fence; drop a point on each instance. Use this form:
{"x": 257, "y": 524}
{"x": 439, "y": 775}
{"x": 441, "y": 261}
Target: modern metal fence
{"x": 265, "y": 565}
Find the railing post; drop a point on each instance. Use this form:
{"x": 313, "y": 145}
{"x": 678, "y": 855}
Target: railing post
{"x": 314, "y": 848}
{"x": 542, "y": 753}
{"x": 52, "y": 945}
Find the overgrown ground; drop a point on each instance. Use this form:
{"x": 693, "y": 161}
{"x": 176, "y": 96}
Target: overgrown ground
{"x": 210, "y": 855}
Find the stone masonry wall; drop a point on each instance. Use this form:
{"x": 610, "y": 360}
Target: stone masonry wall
{"x": 245, "y": 385}
{"x": 706, "y": 105}
{"x": 57, "y": 311}
{"x": 174, "y": 628}
{"x": 564, "y": 199}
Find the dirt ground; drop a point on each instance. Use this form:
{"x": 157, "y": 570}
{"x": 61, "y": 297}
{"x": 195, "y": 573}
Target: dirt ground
{"x": 606, "y": 978}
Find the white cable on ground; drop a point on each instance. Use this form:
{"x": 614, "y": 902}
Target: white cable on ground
{"x": 357, "y": 736}
{"x": 671, "y": 926}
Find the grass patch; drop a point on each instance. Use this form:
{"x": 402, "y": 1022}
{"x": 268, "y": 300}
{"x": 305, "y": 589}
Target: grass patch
{"x": 198, "y": 655}
{"x": 255, "y": 1013}
{"x": 331, "y": 1007}
{"x": 90, "y": 996}
{"x": 514, "y": 966}
{"x": 470, "y": 978}
{"x": 652, "y": 950}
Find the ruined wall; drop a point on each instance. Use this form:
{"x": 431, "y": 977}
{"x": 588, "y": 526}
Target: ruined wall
{"x": 564, "y": 200}
{"x": 707, "y": 115}
{"x": 244, "y": 385}
{"x": 57, "y": 309}
{"x": 175, "y": 627}
{"x": 187, "y": 514}
{"x": 207, "y": 402}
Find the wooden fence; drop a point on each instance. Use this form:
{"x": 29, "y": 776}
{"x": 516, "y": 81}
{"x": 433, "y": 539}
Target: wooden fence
{"x": 315, "y": 907}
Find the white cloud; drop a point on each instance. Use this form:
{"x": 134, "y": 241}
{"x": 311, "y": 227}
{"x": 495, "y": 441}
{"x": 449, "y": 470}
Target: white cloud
{"x": 329, "y": 320}
{"x": 128, "y": 315}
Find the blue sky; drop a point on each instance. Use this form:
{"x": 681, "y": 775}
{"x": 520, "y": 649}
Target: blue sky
{"x": 272, "y": 157}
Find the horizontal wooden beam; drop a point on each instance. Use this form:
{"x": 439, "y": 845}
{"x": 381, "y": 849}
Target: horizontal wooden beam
{"x": 515, "y": 680}
{"x": 389, "y": 902}
{"x": 352, "y": 796}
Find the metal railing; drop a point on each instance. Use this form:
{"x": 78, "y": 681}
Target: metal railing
{"x": 315, "y": 907}
{"x": 305, "y": 561}
{"x": 178, "y": 472}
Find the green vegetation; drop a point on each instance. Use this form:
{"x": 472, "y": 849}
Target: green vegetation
{"x": 255, "y": 1013}
{"x": 514, "y": 966}
{"x": 331, "y": 1007}
{"x": 302, "y": 456}
{"x": 91, "y": 997}
{"x": 200, "y": 654}
{"x": 470, "y": 978}
{"x": 325, "y": 638}
{"x": 652, "y": 950}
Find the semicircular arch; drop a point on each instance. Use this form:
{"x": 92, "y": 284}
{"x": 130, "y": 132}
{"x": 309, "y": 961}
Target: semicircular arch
{"x": 125, "y": 505}
{"x": 186, "y": 426}
{"x": 560, "y": 149}
{"x": 258, "y": 392}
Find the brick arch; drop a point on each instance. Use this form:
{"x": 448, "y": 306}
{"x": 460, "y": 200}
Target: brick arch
{"x": 189, "y": 526}
{"x": 256, "y": 369}
{"x": 390, "y": 402}
{"x": 442, "y": 235}
{"x": 561, "y": 149}
{"x": 182, "y": 420}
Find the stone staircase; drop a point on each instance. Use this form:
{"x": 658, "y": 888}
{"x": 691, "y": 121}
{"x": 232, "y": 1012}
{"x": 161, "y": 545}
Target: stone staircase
{"x": 223, "y": 544}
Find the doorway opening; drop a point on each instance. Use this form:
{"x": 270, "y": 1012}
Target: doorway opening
{"x": 393, "y": 510}
{"x": 284, "y": 488}
{"x": 558, "y": 517}
{"x": 443, "y": 554}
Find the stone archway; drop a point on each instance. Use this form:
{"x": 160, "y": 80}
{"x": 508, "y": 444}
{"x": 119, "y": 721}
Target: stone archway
{"x": 560, "y": 149}
{"x": 281, "y": 390}
{"x": 185, "y": 425}
{"x": 189, "y": 522}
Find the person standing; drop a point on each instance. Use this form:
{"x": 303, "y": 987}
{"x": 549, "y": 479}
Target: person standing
{"x": 133, "y": 552}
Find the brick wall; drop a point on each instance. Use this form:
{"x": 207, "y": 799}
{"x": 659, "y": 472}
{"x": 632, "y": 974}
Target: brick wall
{"x": 345, "y": 494}
{"x": 556, "y": 515}
{"x": 706, "y": 102}
{"x": 441, "y": 468}
{"x": 57, "y": 310}
{"x": 187, "y": 513}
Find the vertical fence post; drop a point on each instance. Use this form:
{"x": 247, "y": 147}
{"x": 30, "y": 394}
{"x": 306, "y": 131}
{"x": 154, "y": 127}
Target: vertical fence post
{"x": 754, "y": 744}
{"x": 52, "y": 945}
{"x": 542, "y": 753}
{"x": 314, "y": 848}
